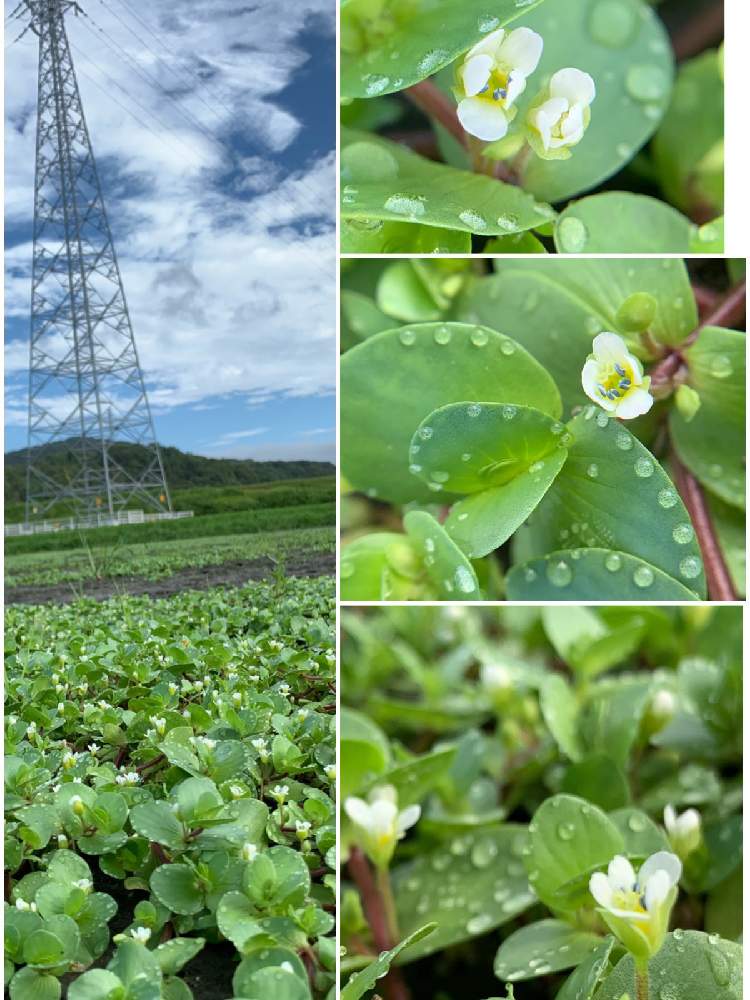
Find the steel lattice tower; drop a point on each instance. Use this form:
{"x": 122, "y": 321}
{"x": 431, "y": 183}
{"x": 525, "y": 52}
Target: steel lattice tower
{"x": 86, "y": 388}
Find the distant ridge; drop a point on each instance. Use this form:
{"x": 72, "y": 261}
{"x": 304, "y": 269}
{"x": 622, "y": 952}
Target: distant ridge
{"x": 183, "y": 469}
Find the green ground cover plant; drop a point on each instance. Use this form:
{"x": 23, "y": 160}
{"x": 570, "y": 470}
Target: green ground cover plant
{"x": 170, "y": 790}
{"x": 542, "y": 803}
{"x": 545, "y": 430}
{"x": 531, "y": 126}
{"x": 157, "y": 560}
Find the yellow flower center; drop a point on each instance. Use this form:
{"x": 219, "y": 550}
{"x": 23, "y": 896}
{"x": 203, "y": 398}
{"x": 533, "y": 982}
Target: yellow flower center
{"x": 495, "y": 91}
{"x": 615, "y": 380}
{"x": 630, "y": 900}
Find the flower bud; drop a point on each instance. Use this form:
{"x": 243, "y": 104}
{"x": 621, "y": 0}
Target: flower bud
{"x": 683, "y": 831}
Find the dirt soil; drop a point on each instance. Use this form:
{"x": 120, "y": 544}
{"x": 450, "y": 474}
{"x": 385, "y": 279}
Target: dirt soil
{"x": 228, "y": 574}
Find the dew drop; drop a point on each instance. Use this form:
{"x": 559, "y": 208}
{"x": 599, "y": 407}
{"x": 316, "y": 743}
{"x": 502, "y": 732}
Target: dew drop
{"x": 637, "y": 823}
{"x": 346, "y": 570}
{"x": 593, "y": 471}
{"x": 507, "y": 347}
{"x": 472, "y": 219}
{"x": 624, "y": 441}
{"x": 613, "y": 562}
{"x": 509, "y": 412}
{"x": 566, "y": 831}
{"x": 464, "y": 580}
{"x": 643, "y": 576}
{"x": 536, "y": 467}
{"x": 646, "y": 83}
{"x": 442, "y": 335}
{"x": 644, "y": 467}
{"x": 402, "y": 204}
{"x": 473, "y": 410}
{"x": 375, "y": 85}
{"x": 407, "y": 337}
{"x": 683, "y": 533}
{"x": 559, "y": 573}
{"x": 466, "y": 457}
{"x": 439, "y": 477}
{"x": 719, "y": 966}
{"x": 431, "y": 61}
{"x": 479, "y": 337}
{"x": 487, "y": 23}
{"x": 611, "y": 23}
{"x": 529, "y": 574}
{"x": 479, "y": 924}
{"x": 425, "y": 433}
{"x": 508, "y": 222}
{"x": 623, "y": 150}
{"x": 602, "y": 419}
{"x": 721, "y": 366}
{"x": 690, "y": 567}
{"x": 573, "y": 234}
{"x": 667, "y": 498}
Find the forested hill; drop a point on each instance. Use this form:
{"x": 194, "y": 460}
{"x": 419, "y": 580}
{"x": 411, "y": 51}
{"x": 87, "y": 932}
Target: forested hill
{"x": 183, "y": 469}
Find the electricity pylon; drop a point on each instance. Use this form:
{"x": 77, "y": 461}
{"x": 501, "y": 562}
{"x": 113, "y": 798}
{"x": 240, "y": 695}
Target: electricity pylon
{"x": 86, "y": 390}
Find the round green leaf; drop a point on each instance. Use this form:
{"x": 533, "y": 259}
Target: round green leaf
{"x": 446, "y": 565}
{"x": 157, "y": 822}
{"x": 28, "y": 984}
{"x": 98, "y": 984}
{"x": 173, "y": 954}
{"x": 599, "y": 780}
{"x": 177, "y": 887}
{"x": 392, "y": 381}
{"x": 279, "y": 983}
{"x": 593, "y": 575}
{"x": 712, "y": 444}
{"x": 582, "y": 982}
{"x": 381, "y": 566}
{"x": 421, "y": 41}
{"x": 237, "y": 919}
{"x": 569, "y": 839}
{"x": 642, "y": 836}
{"x": 625, "y": 48}
{"x": 292, "y": 876}
{"x": 383, "y": 181}
{"x": 67, "y": 867}
{"x": 482, "y": 867}
{"x": 378, "y": 236}
{"x": 365, "y": 751}
{"x": 690, "y": 964}
{"x": 613, "y": 494}
{"x": 540, "y": 948}
{"x": 559, "y": 707}
{"x": 43, "y": 949}
{"x": 133, "y": 961}
{"x": 264, "y": 959}
{"x": 619, "y": 222}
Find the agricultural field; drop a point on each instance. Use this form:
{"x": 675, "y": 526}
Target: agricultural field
{"x": 170, "y": 796}
{"x": 541, "y": 803}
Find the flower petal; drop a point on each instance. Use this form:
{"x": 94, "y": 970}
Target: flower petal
{"x": 621, "y": 874}
{"x": 545, "y": 117}
{"x": 656, "y": 890}
{"x": 521, "y": 50}
{"x": 590, "y": 378}
{"x": 382, "y": 817}
{"x": 487, "y": 45}
{"x": 475, "y": 73}
{"x": 670, "y": 818}
{"x": 634, "y": 404}
{"x": 572, "y": 126}
{"x": 636, "y": 367}
{"x": 516, "y": 86}
{"x": 661, "y": 860}
{"x": 573, "y": 84}
{"x": 357, "y": 810}
{"x": 600, "y": 889}
{"x": 385, "y": 792}
{"x": 609, "y": 347}
{"x": 408, "y": 818}
{"x": 483, "y": 119}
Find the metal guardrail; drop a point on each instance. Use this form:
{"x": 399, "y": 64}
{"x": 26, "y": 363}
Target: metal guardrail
{"x": 92, "y": 521}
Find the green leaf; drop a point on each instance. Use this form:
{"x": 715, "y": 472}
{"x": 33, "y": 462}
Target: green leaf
{"x": 360, "y": 318}
{"x": 383, "y": 181}
{"x": 642, "y": 836}
{"x": 712, "y": 444}
{"x": 173, "y": 954}
{"x": 157, "y": 822}
{"x": 364, "y": 981}
{"x": 198, "y": 799}
{"x": 377, "y": 236}
{"x": 28, "y": 984}
{"x": 569, "y": 839}
{"x": 365, "y": 751}
{"x": 729, "y": 524}
{"x": 133, "y": 962}
{"x": 591, "y": 574}
{"x": 177, "y": 887}
{"x": 417, "y": 777}
{"x": 238, "y": 920}
{"x": 266, "y": 958}
{"x": 506, "y": 456}
{"x": 67, "y": 866}
{"x": 559, "y": 707}
{"x": 43, "y": 950}
{"x": 279, "y": 983}
{"x": 287, "y": 758}
{"x": 98, "y": 984}
{"x": 418, "y": 42}
{"x": 601, "y": 287}
{"x": 612, "y": 493}
{"x": 582, "y": 982}
{"x": 446, "y": 565}
{"x": 613, "y": 717}
{"x": 599, "y": 780}
{"x": 691, "y": 963}
{"x": 292, "y": 874}
{"x": 540, "y": 948}
{"x": 37, "y": 823}
{"x": 390, "y": 383}
{"x": 625, "y": 48}
{"x": 619, "y": 222}
{"x": 177, "y": 749}
{"x": 691, "y": 133}
{"x": 483, "y": 868}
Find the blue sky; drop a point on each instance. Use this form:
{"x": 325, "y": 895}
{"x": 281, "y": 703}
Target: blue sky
{"x": 222, "y": 211}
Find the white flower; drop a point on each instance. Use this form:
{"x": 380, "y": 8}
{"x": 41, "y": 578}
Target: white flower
{"x": 561, "y": 114}
{"x": 172, "y": 688}
{"x": 207, "y": 743}
{"x": 614, "y": 378}
{"x": 129, "y": 778}
{"x": 492, "y": 77}
{"x": 236, "y": 791}
{"x": 378, "y": 822}
{"x": 249, "y": 852}
{"x": 69, "y": 759}
{"x": 159, "y": 724}
{"x": 93, "y": 749}
{"x": 330, "y": 772}
{"x": 280, "y": 792}
{"x": 104, "y": 705}
{"x": 61, "y": 706}
{"x": 22, "y": 905}
{"x": 140, "y": 934}
{"x": 237, "y": 697}
{"x": 284, "y": 689}
{"x": 31, "y": 729}
{"x": 62, "y": 840}
{"x": 56, "y": 788}
{"x": 76, "y": 804}
{"x": 83, "y": 883}
{"x": 636, "y": 908}
{"x": 684, "y": 831}
{"x": 496, "y": 677}
{"x": 302, "y": 714}
{"x": 303, "y": 828}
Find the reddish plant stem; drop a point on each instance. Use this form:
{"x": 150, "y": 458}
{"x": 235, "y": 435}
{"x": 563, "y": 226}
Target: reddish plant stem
{"x": 121, "y": 755}
{"x": 422, "y": 141}
{"x": 706, "y": 298}
{"x": 151, "y": 763}
{"x": 428, "y": 97}
{"x": 374, "y": 907}
{"x": 718, "y": 579}
{"x": 159, "y": 853}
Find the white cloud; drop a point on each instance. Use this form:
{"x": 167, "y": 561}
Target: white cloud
{"x": 311, "y": 451}
{"x": 229, "y": 265}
